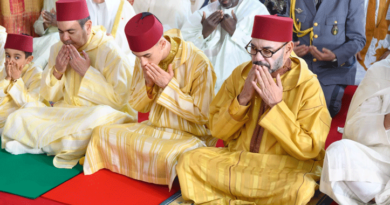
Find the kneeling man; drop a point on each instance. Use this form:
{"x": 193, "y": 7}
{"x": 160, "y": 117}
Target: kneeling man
{"x": 271, "y": 115}
{"x": 174, "y": 81}
{"x": 357, "y": 168}
{"x": 89, "y": 89}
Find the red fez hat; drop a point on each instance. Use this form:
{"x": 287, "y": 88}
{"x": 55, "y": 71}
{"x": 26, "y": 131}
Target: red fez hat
{"x": 143, "y": 31}
{"x": 19, "y": 42}
{"x": 71, "y": 10}
{"x": 273, "y": 28}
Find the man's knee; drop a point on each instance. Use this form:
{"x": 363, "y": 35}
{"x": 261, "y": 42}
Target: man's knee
{"x": 336, "y": 146}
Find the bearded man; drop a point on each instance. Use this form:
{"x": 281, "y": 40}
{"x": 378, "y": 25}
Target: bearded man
{"x": 274, "y": 132}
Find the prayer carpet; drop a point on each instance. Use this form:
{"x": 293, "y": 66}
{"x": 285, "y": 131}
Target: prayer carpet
{"x": 11, "y": 199}
{"x": 106, "y": 187}
{"x": 30, "y": 175}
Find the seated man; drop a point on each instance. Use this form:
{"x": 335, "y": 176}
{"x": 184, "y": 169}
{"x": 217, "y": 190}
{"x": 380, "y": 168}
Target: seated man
{"x": 274, "y": 135}
{"x": 89, "y": 90}
{"x": 174, "y": 81}
{"x": 357, "y": 168}
{"x": 222, "y": 30}
{"x": 46, "y": 27}
{"x": 106, "y": 13}
{"x": 113, "y": 16}
{"x": 20, "y": 78}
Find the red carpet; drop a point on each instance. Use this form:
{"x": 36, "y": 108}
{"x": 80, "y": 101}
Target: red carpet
{"x": 106, "y": 187}
{"x": 339, "y": 119}
{"x": 10, "y": 199}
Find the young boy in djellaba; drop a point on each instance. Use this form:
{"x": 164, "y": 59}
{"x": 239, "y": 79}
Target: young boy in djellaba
{"x": 20, "y": 79}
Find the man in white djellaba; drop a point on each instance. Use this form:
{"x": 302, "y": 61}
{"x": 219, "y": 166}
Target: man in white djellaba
{"x": 357, "y": 168}
{"x": 221, "y": 30}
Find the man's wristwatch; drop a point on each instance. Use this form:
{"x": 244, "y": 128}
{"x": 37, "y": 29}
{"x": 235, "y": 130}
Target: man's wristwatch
{"x": 334, "y": 60}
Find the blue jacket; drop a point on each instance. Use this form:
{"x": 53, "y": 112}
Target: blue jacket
{"x": 350, "y": 39}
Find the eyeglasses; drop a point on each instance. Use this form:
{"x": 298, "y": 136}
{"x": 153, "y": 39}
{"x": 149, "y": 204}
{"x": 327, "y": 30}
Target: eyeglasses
{"x": 264, "y": 52}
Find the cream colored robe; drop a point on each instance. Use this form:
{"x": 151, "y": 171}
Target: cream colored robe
{"x": 81, "y": 103}
{"x": 14, "y": 96}
{"x": 363, "y": 155}
{"x": 196, "y": 4}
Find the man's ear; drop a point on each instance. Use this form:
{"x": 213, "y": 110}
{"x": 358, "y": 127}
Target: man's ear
{"x": 29, "y": 59}
{"x": 88, "y": 27}
{"x": 163, "y": 44}
{"x": 289, "y": 48}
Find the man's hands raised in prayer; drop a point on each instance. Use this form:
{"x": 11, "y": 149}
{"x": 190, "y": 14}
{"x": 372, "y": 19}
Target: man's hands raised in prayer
{"x": 387, "y": 122}
{"x": 78, "y": 63}
{"x": 13, "y": 71}
{"x": 210, "y": 23}
{"x": 300, "y": 50}
{"x": 269, "y": 91}
{"x": 325, "y": 55}
{"x": 229, "y": 23}
{"x": 62, "y": 62}
{"x": 68, "y": 55}
{"x": 148, "y": 79}
{"x": 160, "y": 77}
{"x": 49, "y": 18}
{"x": 248, "y": 91}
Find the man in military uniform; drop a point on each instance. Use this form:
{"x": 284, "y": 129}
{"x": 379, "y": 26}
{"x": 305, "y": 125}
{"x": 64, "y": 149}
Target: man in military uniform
{"x": 328, "y": 35}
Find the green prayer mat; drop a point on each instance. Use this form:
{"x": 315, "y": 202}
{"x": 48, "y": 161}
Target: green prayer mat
{"x": 31, "y": 175}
